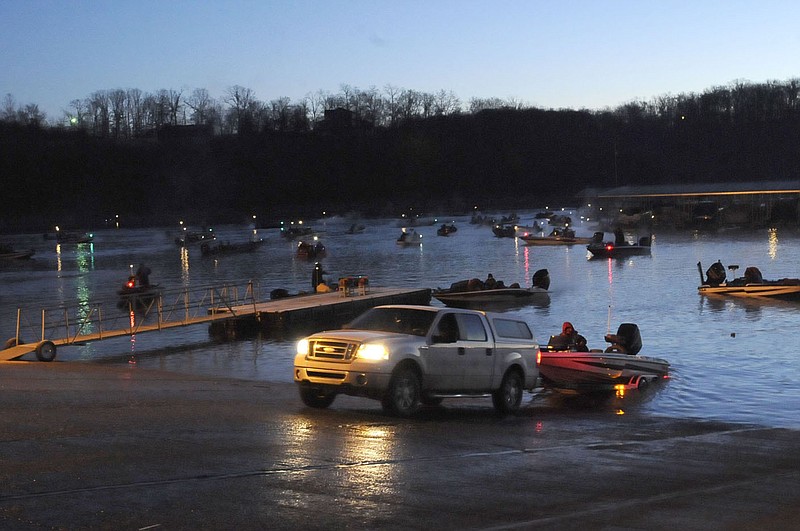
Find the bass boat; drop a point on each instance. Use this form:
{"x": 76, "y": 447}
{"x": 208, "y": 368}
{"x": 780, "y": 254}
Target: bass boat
{"x": 471, "y": 293}
{"x": 619, "y": 248}
{"x": 617, "y": 367}
{"x": 751, "y": 285}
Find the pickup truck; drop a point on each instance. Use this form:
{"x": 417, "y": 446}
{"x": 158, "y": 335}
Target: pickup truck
{"x": 407, "y": 356}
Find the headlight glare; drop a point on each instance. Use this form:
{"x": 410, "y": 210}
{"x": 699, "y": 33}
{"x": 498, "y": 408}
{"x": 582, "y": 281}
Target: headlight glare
{"x": 302, "y": 347}
{"x": 372, "y": 351}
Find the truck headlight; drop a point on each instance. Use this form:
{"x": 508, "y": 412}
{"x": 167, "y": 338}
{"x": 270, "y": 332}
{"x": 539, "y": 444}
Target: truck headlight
{"x": 372, "y": 351}
{"x": 302, "y": 347}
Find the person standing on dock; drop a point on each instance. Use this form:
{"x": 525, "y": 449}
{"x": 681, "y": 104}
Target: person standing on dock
{"x": 317, "y": 277}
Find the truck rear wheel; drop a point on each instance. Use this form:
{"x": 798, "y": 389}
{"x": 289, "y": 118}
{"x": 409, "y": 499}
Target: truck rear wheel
{"x": 316, "y": 398}
{"x": 508, "y": 398}
{"x": 404, "y": 393}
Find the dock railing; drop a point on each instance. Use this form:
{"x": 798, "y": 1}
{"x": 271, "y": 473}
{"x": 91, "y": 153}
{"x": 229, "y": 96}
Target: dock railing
{"x": 97, "y": 320}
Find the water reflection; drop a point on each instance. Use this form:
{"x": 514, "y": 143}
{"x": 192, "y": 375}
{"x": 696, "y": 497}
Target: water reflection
{"x": 712, "y": 343}
{"x": 773, "y": 243}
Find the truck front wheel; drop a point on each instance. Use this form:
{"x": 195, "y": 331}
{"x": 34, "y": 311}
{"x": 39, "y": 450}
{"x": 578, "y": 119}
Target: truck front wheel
{"x": 404, "y": 393}
{"x": 316, "y": 398}
{"x": 508, "y": 398}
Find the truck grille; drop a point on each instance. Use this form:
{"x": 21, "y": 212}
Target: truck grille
{"x": 332, "y": 350}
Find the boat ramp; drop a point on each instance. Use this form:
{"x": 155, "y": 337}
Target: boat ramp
{"x": 227, "y": 309}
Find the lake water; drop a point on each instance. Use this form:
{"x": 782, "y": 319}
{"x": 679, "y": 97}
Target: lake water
{"x": 732, "y": 360}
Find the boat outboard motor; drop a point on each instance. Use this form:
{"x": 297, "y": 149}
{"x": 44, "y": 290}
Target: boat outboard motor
{"x": 715, "y": 274}
{"x": 627, "y": 340}
{"x": 541, "y": 279}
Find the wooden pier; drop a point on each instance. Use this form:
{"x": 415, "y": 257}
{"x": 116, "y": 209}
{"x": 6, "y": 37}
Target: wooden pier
{"x": 224, "y": 314}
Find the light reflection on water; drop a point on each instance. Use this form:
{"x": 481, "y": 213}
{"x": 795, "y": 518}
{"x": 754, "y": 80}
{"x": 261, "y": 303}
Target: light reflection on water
{"x": 731, "y": 360}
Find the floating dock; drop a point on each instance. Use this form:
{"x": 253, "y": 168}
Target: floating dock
{"x": 310, "y": 312}
{"x": 226, "y": 316}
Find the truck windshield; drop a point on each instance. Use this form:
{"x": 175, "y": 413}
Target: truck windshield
{"x": 399, "y": 320}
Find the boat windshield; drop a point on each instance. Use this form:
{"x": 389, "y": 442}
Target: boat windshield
{"x": 398, "y": 320}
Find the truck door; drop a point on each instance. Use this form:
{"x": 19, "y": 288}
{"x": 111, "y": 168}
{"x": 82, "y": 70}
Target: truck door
{"x": 476, "y": 348}
{"x": 444, "y": 359}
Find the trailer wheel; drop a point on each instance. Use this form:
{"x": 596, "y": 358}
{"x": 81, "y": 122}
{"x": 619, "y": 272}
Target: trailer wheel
{"x": 46, "y": 351}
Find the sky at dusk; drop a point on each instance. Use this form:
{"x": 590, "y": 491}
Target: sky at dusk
{"x": 545, "y": 53}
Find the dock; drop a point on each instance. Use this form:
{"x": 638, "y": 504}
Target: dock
{"x": 222, "y": 308}
{"x": 310, "y": 312}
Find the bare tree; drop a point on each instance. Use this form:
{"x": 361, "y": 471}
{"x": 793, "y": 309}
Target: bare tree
{"x": 116, "y": 100}
{"x": 174, "y": 105}
{"x": 279, "y": 113}
{"x": 392, "y": 103}
{"x": 99, "y": 110}
{"x": 134, "y": 103}
{"x": 314, "y": 104}
{"x": 9, "y": 111}
{"x": 240, "y": 99}
{"x": 77, "y": 117}
{"x": 201, "y": 103}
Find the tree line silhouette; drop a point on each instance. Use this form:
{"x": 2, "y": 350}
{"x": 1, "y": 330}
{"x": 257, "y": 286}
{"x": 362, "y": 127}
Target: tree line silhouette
{"x": 154, "y": 158}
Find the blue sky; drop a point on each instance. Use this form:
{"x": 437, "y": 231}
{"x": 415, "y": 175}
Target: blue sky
{"x": 547, "y": 53}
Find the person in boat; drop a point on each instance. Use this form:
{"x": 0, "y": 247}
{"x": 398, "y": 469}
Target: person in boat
{"x": 143, "y": 275}
{"x": 317, "y": 276}
{"x": 571, "y": 339}
{"x": 490, "y": 282}
{"x": 619, "y": 237}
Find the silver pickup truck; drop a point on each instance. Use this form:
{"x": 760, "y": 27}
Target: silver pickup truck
{"x": 406, "y": 356}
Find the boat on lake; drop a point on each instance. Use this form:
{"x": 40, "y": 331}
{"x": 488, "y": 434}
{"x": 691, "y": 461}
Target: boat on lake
{"x": 618, "y": 367}
{"x": 216, "y": 247}
{"x": 187, "y": 237}
{"x": 446, "y": 230}
{"x": 473, "y": 292}
{"x": 311, "y": 251}
{"x": 7, "y": 252}
{"x": 135, "y": 295}
{"x": 355, "y": 228}
{"x": 409, "y": 237}
{"x": 621, "y": 247}
{"x": 505, "y": 231}
{"x": 558, "y": 236}
{"x": 751, "y": 285}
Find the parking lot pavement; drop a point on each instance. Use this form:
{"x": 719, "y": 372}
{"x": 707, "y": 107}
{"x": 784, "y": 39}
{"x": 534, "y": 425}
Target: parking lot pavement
{"x": 99, "y": 446}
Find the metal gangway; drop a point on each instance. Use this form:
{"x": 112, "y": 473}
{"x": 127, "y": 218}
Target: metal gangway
{"x": 42, "y": 330}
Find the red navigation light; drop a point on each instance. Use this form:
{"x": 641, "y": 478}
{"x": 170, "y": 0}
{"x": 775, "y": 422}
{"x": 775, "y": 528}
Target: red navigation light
{"x": 609, "y": 247}
{"x": 131, "y": 283}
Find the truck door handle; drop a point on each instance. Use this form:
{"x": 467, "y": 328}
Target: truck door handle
{"x": 461, "y": 351}
{"x": 488, "y": 351}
